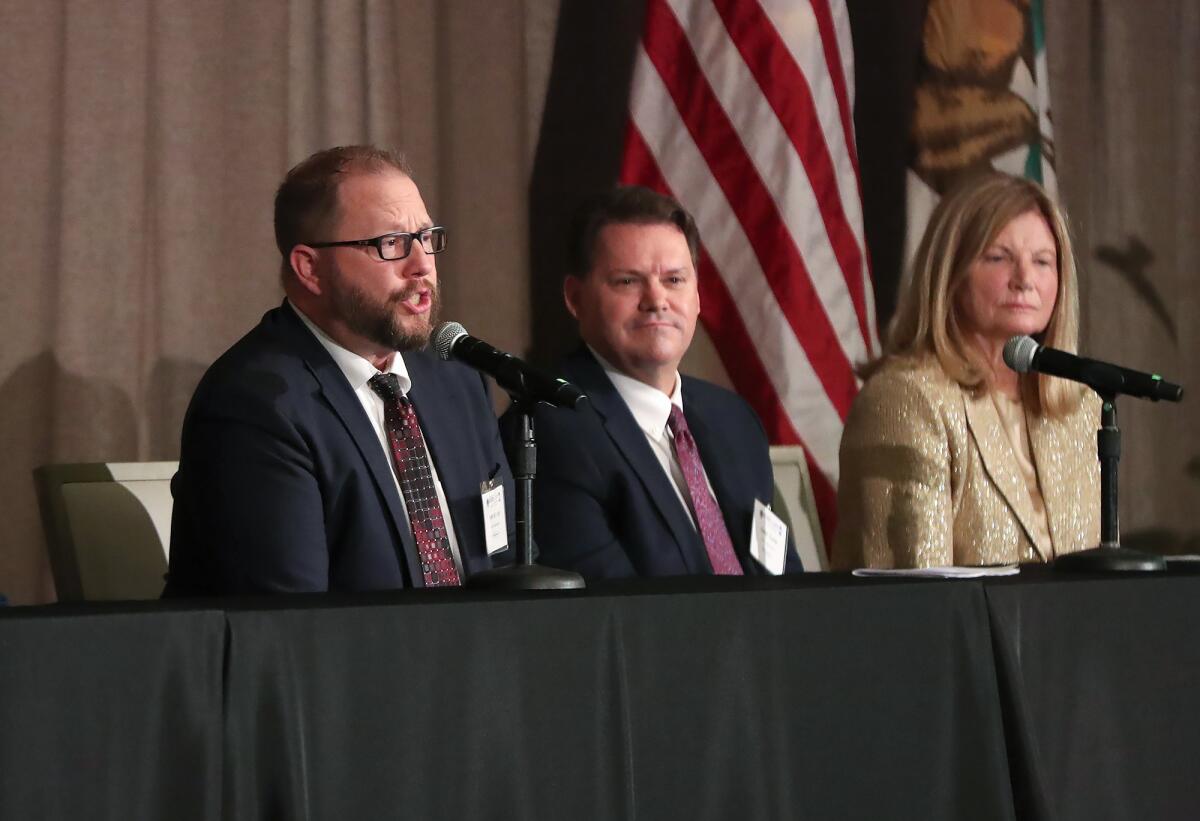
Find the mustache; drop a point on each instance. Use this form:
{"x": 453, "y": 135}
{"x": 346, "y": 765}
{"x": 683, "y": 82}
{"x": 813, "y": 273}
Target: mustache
{"x": 406, "y": 294}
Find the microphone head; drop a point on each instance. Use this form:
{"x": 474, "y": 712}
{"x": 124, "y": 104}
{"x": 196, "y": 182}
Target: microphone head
{"x": 1019, "y": 353}
{"x": 444, "y": 336}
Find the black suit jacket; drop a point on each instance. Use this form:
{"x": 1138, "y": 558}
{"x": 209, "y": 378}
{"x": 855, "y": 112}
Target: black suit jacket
{"x": 603, "y": 505}
{"x": 283, "y": 484}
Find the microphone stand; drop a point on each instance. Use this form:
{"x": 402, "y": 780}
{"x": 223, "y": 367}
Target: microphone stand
{"x": 1109, "y": 556}
{"x": 525, "y": 575}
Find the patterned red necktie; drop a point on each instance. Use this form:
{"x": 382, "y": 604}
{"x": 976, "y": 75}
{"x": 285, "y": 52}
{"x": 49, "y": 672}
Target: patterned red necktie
{"x": 708, "y": 515}
{"x": 416, "y": 483}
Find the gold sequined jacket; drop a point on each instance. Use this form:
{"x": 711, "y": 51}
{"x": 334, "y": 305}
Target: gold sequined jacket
{"x": 928, "y": 477}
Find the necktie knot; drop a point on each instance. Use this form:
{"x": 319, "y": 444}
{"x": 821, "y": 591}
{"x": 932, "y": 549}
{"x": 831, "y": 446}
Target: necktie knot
{"x": 386, "y": 385}
{"x": 679, "y": 425}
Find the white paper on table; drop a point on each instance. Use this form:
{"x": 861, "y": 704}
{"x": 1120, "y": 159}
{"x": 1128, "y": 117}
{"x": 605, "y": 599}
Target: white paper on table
{"x": 942, "y": 572}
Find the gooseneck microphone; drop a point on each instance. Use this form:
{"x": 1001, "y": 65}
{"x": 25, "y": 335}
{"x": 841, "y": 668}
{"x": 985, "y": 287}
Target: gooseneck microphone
{"x": 451, "y": 341}
{"x": 1023, "y": 355}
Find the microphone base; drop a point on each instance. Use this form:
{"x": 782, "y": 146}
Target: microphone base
{"x": 1110, "y": 560}
{"x": 526, "y": 577}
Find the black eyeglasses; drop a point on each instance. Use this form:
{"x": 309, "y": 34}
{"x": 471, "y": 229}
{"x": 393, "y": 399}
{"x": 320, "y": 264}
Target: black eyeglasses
{"x": 398, "y": 245}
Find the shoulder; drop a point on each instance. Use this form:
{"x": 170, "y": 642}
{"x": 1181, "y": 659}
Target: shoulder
{"x": 266, "y": 362}
{"x": 428, "y": 369}
{"x": 707, "y": 397}
{"x": 580, "y": 430}
{"x": 566, "y": 426}
{"x": 451, "y": 399}
{"x": 904, "y": 394}
{"x": 721, "y": 410}
{"x": 919, "y": 380}
{"x": 603, "y": 400}
{"x": 1084, "y": 417}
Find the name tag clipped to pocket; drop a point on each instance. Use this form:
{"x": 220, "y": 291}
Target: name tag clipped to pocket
{"x": 768, "y": 539}
{"x": 495, "y": 523}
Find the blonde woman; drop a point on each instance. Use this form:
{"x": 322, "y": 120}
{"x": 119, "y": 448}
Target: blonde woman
{"x": 948, "y": 456}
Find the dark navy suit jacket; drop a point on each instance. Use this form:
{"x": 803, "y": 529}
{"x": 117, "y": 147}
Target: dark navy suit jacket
{"x": 603, "y": 505}
{"x": 283, "y": 484}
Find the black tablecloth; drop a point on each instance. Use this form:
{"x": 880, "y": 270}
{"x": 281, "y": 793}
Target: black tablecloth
{"x": 1101, "y": 680}
{"x": 765, "y": 704}
{"x": 109, "y": 714}
{"x": 819, "y": 697}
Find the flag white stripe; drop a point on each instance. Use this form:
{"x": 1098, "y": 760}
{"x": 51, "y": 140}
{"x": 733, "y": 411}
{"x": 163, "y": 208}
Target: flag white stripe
{"x": 846, "y": 173}
{"x": 800, "y": 391}
{"x": 779, "y": 167}
{"x": 797, "y": 27}
{"x": 845, "y": 47}
{"x": 853, "y": 206}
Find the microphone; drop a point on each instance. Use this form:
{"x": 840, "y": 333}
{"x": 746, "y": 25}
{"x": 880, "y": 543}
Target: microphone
{"x": 1023, "y": 354}
{"x": 451, "y": 341}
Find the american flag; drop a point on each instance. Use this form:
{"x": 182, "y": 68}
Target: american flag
{"x": 742, "y": 110}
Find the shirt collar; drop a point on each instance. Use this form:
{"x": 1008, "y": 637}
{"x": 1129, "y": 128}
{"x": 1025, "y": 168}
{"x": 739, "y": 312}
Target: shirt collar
{"x": 357, "y": 370}
{"x": 651, "y": 408}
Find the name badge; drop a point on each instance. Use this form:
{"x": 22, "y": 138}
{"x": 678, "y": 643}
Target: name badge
{"x": 768, "y": 539}
{"x": 495, "y": 525}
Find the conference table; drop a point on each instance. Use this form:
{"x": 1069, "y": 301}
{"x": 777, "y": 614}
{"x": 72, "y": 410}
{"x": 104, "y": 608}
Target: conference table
{"x": 824, "y": 696}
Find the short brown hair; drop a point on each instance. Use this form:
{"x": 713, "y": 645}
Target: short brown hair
{"x": 625, "y": 205}
{"x": 306, "y": 202}
{"x": 964, "y": 224}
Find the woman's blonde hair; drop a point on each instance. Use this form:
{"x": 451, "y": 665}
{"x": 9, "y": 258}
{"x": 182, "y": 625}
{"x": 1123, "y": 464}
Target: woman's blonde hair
{"x": 963, "y": 225}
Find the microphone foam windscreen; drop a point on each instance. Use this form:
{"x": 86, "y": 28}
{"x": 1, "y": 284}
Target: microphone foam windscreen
{"x": 1019, "y": 352}
{"x": 444, "y": 337}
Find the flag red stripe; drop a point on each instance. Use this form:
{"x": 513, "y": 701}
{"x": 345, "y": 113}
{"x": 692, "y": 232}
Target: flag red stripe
{"x": 750, "y": 379}
{"x": 787, "y": 90}
{"x": 719, "y": 144}
{"x": 733, "y": 343}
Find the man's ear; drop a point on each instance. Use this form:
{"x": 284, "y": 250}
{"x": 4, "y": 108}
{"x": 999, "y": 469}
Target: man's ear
{"x": 571, "y": 287}
{"x": 303, "y": 261}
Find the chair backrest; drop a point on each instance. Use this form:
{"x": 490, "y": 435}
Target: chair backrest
{"x": 107, "y": 526}
{"x": 795, "y": 503}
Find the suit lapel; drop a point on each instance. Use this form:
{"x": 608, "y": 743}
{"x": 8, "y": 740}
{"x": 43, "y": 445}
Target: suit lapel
{"x": 441, "y": 423}
{"x": 629, "y": 439}
{"x": 336, "y": 391}
{"x": 1000, "y": 463}
{"x": 448, "y": 426}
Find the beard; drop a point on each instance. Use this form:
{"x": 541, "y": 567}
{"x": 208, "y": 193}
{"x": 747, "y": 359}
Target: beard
{"x": 380, "y": 322}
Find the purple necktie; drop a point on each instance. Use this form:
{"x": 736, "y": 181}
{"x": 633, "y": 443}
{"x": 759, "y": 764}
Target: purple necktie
{"x": 416, "y": 483}
{"x": 708, "y": 515}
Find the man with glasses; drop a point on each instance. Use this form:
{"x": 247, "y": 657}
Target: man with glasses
{"x": 670, "y": 475}
{"x": 327, "y": 450}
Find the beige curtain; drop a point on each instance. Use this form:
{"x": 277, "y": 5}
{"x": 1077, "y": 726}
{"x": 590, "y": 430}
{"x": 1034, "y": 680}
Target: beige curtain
{"x": 1125, "y": 90}
{"x": 143, "y": 142}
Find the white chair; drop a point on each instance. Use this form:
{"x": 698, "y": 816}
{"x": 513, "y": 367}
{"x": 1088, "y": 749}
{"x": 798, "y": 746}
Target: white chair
{"x": 794, "y": 502}
{"x": 108, "y": 527}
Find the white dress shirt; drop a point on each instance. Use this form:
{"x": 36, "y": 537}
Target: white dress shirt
{"x": 651, "y": 409}
{"x": 358, "y": 372}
